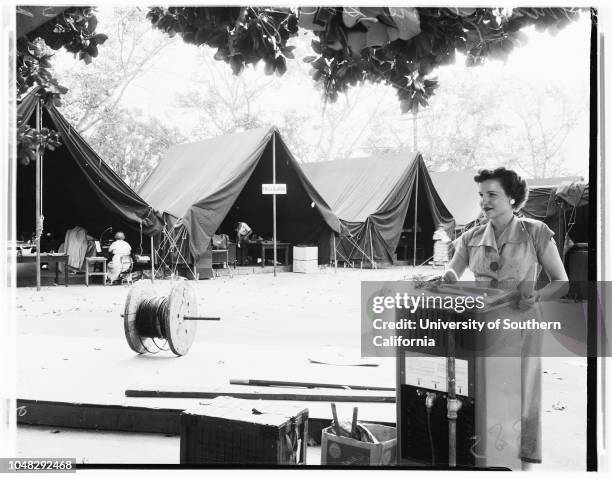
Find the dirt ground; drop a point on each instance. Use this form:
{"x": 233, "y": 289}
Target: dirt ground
{"x": 71, "y": 347}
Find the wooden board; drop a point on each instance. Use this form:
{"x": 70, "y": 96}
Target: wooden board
{"x": 161, "y": 420}
{"x": 266, "y": 393}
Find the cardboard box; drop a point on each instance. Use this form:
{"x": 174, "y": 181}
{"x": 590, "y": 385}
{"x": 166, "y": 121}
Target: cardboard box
{"x": 305, "y": 253}
{"x": 345, "y": 451}
{"x": 307, "y": 266}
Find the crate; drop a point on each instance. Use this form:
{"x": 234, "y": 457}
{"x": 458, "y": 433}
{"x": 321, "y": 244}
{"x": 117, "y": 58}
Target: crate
{"x": 345, "y": 451}
{"x": 239, "y": 431}
{"x": 306, "y": 266}
{"x": 305, "y": 253}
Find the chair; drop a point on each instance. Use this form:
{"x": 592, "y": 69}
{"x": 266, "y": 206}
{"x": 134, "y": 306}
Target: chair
{"x": 92, "y": 261}
{"x": 127, "y": 264}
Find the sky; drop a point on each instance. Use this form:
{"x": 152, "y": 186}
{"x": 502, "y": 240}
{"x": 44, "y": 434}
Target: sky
{"x": 562, "y": 59}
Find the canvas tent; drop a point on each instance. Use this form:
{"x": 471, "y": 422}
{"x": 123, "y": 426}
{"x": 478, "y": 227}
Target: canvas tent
{"x": 376, "y": 199}
{"x": 564, "y": 208}
{"x": 78, "y": 187}
{"x": 459, "y": 193}
{"x": 208, "y": 186}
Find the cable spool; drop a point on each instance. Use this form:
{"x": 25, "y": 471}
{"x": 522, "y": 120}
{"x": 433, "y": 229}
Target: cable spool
{"x": 148, "y": 317}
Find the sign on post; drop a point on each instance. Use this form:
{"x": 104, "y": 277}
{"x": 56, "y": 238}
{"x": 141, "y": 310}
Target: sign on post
{"x": 274, "y": 189}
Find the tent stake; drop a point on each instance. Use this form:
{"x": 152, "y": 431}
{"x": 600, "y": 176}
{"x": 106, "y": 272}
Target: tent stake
{"x": 274, "y": 201}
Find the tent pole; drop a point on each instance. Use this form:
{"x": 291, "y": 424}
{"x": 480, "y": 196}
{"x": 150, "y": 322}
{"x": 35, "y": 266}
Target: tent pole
{"x": 416, "y": 205}
{"x": 152, "y": 261}
{"x": 335, "y": 257}
{"x": 561, "y": 226}
{"x": 38, "y": 197}
{"x": 371, "y": 249}
{"x": 414, "y": 131}
{"x": 274, "y": 201}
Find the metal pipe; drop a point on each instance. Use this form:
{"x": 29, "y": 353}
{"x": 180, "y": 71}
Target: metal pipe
{"x": 201, "y": 318}
{"x": 335, "y": 257}
{"x": 416, "y": 206}
{"x": 371, "y": 247}
{"x": 152, "y": 261}
{"x": 38, "y": 197}
{"x": 452, "y": 403}
{"x": 273, "y": 201}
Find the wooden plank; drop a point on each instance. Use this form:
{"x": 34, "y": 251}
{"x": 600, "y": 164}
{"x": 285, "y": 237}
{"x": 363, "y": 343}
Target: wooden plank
{"x": 104, "y": 417}
{"x": 299, "y": 384}
{"x": 273, "y": 396}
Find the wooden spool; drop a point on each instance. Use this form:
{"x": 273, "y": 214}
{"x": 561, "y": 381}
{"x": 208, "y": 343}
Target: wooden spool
{"x": 180, "y": 332}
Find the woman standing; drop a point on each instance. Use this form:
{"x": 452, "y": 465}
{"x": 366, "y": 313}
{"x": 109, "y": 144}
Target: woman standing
{"x": 511, "y": 250}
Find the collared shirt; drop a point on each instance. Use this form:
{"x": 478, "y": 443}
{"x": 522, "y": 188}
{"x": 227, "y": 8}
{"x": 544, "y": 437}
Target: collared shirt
{"x": 514, "y": 257}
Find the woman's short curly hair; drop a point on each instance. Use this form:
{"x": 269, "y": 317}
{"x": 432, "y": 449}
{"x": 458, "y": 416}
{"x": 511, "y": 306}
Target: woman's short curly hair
{"x": 514, "y": 186}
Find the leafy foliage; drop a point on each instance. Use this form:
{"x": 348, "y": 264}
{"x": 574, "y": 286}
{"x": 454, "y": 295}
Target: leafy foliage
{"x": 75, "y": 30}
{"x": 245, "y": 35}
{"x": 241, "y": 35}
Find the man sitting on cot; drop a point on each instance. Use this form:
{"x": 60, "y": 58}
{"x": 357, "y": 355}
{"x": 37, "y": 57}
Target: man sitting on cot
{"x": 118, "y": 248}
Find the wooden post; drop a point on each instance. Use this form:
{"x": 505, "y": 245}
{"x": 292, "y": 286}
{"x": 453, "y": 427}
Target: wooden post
{"x": 38, "y": 196}
{"x": 152, "y": 261}
{"x": 273, "y": 202}
{"x": 416, "y": 206}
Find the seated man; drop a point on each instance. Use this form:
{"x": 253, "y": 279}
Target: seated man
{"x": 118, "y": 248}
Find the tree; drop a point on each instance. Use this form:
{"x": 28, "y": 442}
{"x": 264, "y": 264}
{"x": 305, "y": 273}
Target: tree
{"x": 131, "y": 145}
{"x": 546, "y": 117}
{"x": 96, "y": 92}
{"x": 474, "y": 122}
{"x": 40, "y": 31}
{"x": 246, "y": 35}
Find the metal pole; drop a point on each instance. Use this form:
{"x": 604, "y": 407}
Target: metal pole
{"x": 453, "y": 404}
{"x": 38, "y": 197}
{"x": 414, "y": 131}
{"x": 416, "y": 206}
{"x": 152, "y": 261}
{"x": 335, "y": 257}
{"x": 371, "y": 248}
{"x": 273, "y": 200}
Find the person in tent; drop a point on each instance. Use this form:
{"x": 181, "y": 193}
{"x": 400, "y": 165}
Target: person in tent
{"x": 118, "y": 248}
{"x": 508, "y": 252}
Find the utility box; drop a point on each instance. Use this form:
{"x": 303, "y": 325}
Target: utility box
{"x": 305, "y": 259}
{"x": 243, "y": 432}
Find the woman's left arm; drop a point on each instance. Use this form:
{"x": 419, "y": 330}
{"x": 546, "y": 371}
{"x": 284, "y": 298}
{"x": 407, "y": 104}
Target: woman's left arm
{"x": 558, "y": 286}
{"x": 553, "y": 265}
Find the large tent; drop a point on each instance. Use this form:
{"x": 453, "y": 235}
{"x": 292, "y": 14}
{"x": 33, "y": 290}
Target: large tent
{"x": 206, "y": 187}
{"x": 376, "y": 199}
{"x": 78, "y": 188}
{"x": 564, "y": 208}
{"x": 459, "y": 193}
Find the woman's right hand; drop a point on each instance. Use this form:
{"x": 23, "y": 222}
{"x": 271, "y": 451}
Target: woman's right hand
{"x": 449, "y": 277}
